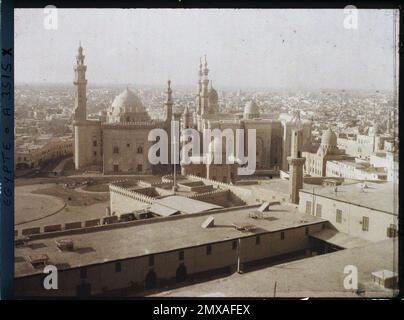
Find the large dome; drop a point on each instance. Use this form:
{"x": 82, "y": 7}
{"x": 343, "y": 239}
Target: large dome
{"x": 127, "y": 107}
{"x": 329, "y": 138}
{"x": 127, "y": 101}
{"x": 251, "y": 110}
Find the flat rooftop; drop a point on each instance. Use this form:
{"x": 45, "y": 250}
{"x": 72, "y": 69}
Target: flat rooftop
{"x": 277, "y": 185}
{"x": 319, "y": 276}
{"x": 155, "y": 236}
{"x": 376, "y": 196}
{"x": 181, "y": 204}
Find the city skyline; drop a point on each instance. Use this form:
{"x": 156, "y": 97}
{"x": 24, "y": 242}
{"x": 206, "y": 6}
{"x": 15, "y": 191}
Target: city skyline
{"x": 291, "y": 56}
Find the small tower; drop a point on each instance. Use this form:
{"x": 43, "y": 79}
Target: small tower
{"x": 168, "y": 105}
{"x": 80, "y": 100}
{"x": 296, "y": 162}
{"x": 186, "y": 123}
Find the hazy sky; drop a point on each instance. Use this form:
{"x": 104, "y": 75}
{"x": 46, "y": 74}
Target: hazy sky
{"x": 257, "y": 48}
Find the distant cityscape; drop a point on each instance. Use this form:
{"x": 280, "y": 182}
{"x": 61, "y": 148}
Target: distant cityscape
{"x": 44, "y": 114}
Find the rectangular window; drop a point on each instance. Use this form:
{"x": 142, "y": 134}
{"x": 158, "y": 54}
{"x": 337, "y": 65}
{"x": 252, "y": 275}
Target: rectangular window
{"x": 392, "y": 231}
{"x": 208, "y": 249}
{"x": 140, "y": 150}
{"x": 116, "y": 168}
{"x": 139, "y": 168}
{"x": 151, "y": 261}
{"x": 282, "y": 235}
{"x": 118, "y": 267}
{"x": 308, "y": 207}
{"x": 116, "y": 150}
{"x": 234, "y": 245}
{"x": 83, "y": 273}
{"x": 365, "y": 223}
{"x": 181, "y": 255}
{"x": 257, "y": 240}
{"x": 95, "y": 153}
{"x": 306, "y": 231}
{"x": 338, "y": 216}
{"x": 94, "y": 143}
{"x": 318, "y": 210}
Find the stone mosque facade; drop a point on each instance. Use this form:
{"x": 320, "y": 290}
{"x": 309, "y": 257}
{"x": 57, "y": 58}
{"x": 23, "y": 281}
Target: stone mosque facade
{"x": 118, "y": 143}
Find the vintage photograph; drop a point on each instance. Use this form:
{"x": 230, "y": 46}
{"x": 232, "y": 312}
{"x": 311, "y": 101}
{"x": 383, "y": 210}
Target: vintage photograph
{"x": 206, "y": 153}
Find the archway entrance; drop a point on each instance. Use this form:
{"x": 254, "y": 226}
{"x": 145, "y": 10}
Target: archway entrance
{"x": 151, "y": 280}
{"x": 181, "y": 274}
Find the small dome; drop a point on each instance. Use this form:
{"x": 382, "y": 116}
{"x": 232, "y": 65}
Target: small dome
{"x": 251, "y": 108}
{"x": 213, "y": 96}
{"x": 126, "y": 102}
{"x": 329, "y": 138}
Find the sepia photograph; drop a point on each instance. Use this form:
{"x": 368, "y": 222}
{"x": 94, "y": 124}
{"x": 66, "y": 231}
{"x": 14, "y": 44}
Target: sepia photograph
{"x": 215, "y": 153}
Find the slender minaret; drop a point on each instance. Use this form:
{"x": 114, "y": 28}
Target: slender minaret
{"x": 80, "y": 124}
{"x": 168, "y": 105}
{"x": 296, "y": 162}
{"x": 185, "y": 115}
{"x": 205, "y": 89}
{"x": 200, "y": 74}
{"x": 175, "y": 155}
{"x": 80, "y": 101}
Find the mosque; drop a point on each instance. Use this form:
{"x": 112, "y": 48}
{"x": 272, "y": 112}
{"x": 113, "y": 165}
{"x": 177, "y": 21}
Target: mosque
{"x": 118, "y": 143}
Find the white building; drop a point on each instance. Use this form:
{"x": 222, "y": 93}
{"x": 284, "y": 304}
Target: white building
{"x": 368, "y": 211}
{"x": 354, "y": 169}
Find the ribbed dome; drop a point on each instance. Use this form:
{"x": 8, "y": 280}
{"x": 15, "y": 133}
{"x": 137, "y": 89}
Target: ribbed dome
{"x": 127, "y": 102}
{"x": 251, "y": 108}
{"x": 213, "y": 96}
{"x": 329, "y": 138}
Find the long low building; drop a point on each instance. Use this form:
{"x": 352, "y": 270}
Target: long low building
{"x": 320, "y": 276}
{"x": 151, "y": 253}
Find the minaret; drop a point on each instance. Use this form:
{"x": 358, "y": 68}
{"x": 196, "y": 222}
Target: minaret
{"x": 185, "y": 115}
{"x": 205, "y": 89}
{"x": 168, "y": 105}
{"x": 80, "y": 100}
{"x": 296, "y": 163}
{"x": 200, "y": 74}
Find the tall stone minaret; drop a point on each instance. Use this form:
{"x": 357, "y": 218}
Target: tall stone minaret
{"x": 200, "y": 74}
{"x": 80, "y": 81}
{"x": 296, "y": 162}
{"x": 205, "y": 89}
{"x": 168, "y": 105}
